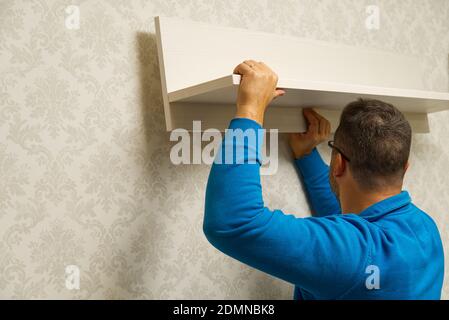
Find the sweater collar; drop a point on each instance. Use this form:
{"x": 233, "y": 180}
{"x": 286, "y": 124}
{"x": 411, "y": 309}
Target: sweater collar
{"x": 386, "y": 206}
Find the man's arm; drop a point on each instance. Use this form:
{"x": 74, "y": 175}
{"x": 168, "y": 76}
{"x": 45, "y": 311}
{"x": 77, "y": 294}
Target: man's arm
{"x": 314, "y": 172}
{"x": 324, "y": 256}
{"x": 315, "y": 175}
{"x": 309, "y": 252}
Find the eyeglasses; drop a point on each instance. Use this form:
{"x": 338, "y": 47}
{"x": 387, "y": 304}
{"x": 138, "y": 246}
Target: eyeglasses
{"x": 331, "y": 145}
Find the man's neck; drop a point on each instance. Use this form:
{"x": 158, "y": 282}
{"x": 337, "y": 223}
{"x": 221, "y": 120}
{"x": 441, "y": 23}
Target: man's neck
{"x": 356, "y": 201}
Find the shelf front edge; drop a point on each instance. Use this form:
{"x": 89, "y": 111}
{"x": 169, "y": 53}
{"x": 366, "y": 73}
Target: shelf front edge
{"x": 285, "y": 119}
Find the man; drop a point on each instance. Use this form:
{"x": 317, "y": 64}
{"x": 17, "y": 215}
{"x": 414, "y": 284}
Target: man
{"x": 366, "y": 241}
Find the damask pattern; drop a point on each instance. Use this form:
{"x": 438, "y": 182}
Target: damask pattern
{"x": 85, "y": 175}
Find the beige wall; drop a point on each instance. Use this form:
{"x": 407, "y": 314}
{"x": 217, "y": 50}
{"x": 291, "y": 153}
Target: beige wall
{"x": 85, "y": 177}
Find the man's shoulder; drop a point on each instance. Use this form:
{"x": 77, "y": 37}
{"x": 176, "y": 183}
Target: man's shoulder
{"x": 411, "y": 213}
{"x": 411, "y": 222}
{"x": 423, "y": 217}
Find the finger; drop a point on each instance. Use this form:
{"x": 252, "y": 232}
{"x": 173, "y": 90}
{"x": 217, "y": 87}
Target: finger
{"x": 253, "y": 64}
{"x": 278, "y": 93}
{"x": 261, "y": 64}
{"x": 316, "y": 114}
{"x": 320, "y": 118}
{"x": 310, "y": 116}
{"x": 243, "y": 69}
{"x": 280, "y": 90}
{"x": 267, "y": 70}
{"x": 312, "y": 130}
{"x": 308, "y": 110}
{"x": 323, "y": 127}
{"x": 250, "y": 61}
{"x": 313, "y": 124}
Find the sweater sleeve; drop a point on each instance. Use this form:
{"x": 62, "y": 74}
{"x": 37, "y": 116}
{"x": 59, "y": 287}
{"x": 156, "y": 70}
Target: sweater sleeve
{"x": 309, "y": 252}
{"x": 315, "y": 175}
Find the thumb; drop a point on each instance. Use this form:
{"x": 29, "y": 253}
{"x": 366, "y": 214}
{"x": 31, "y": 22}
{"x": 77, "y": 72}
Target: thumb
{"x": 278, "y": 92}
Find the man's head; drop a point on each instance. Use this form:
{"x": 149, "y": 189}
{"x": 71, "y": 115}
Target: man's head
{"x": 376, "y": 139}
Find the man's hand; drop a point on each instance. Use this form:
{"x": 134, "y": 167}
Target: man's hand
{"x": 318, "y": 130}
{"x": 257, "y": 89}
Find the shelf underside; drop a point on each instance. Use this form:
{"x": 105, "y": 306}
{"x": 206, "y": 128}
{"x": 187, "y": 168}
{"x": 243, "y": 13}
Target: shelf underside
{"x": 302, "y": 94}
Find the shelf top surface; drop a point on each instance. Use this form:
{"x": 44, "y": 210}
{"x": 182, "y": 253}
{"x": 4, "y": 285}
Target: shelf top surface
{"x": 327, "y": 95}
{"x": 192, "y": 53}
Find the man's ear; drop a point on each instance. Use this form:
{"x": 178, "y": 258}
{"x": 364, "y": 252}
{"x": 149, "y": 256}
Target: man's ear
{"x": 407, "y": 164}
{"x": 339, "y": 165}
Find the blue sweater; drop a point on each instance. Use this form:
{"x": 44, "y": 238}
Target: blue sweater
{"x": 331, "y": 255}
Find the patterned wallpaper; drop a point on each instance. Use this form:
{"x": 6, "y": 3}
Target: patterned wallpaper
{"x": 85, "y": 176}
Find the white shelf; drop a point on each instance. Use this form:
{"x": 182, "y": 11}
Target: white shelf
{"x": 326, "y": 95}
{"x": 196, "y": 59}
